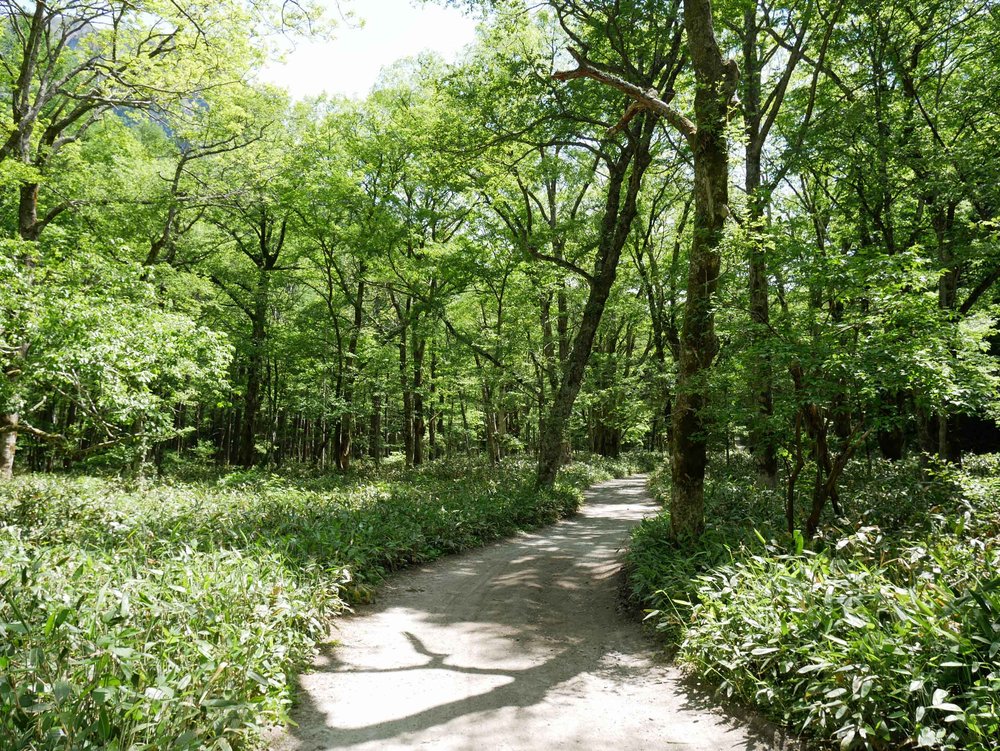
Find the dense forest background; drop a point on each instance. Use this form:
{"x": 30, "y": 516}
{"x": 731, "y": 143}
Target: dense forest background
{"x": 756, "y": 237}
{"x": 197, "y": 267}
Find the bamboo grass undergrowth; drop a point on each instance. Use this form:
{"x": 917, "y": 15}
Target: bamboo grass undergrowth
{"x": 173, "y": 614}
{"x": 883, "y": 633}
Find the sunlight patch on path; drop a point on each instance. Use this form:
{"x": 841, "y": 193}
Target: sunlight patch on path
{"x": 519, "y": 645}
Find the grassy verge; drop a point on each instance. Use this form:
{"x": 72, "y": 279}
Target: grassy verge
{"x": 885, "y": 634}
{"x": 170, "y": 615}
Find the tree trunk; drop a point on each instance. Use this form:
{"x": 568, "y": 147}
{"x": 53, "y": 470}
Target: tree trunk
{"x": 435, "y": 426}
{"x": 28, "y": 226}
{"x": 29, "y": 230}
{"x": 490, "y": 432}
{"x": 761, "y": 443}
{"x": 419, "y": 422}
{"x": 619, "y": 211}
{"x": 8, "y": 444}
{"x": 407, "y": 399}
{"x": 949, "y": 444}
{"x": 465, "y": 421}
{"x": 375, "y": 430}
{"x": 948, "y": 439}
{"x": 346, "y": 431}
{"x": 715, "y": 83}
{"x": 759, "y": 112}
{"x": 441, "y": 450}
{"x": 246, "y": 455}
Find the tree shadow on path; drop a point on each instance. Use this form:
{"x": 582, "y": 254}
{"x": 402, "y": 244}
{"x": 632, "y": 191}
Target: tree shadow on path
{"x": 517, "y": 645}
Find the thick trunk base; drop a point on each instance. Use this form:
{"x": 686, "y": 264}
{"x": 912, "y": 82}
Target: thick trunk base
{"x": 689, "y": 458}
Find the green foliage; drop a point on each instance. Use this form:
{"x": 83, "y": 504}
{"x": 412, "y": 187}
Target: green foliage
{"x": 173, "y": 615}
{"x": 179, "y": 651}
{"x": 94, "y": 336}
{"x": 874, "y": 638}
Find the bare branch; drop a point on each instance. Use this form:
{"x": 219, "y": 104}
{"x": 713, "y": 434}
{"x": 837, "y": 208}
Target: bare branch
{"x": 645, "y": 99}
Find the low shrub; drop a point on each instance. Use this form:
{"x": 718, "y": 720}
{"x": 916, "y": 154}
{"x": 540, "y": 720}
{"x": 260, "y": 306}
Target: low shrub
{"x": 866, "y": 638}
{"x": 171, "y": 615}
{"x": 175, "y": 652}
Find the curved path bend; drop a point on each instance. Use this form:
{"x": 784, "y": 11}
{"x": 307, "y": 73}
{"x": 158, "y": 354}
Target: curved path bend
{"x": 519, "y": 645}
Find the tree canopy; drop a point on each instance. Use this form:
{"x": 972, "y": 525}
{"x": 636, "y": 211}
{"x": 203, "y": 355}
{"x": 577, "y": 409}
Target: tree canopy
{"x": 606, "y": 225}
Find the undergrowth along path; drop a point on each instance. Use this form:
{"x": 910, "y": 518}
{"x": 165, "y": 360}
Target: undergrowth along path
{"x": 519, "y": 645}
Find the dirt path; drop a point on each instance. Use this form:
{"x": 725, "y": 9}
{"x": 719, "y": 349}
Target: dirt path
{"x": 515, "y": 646}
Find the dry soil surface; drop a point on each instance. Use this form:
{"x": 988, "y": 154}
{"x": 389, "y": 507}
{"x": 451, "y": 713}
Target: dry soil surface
{"x": 519, "y": 645}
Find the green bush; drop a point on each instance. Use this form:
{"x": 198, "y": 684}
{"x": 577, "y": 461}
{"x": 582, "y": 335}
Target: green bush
{"x": 176, "y": 652}
{"x": 171, "y": 615}
{"x": 865, "y": 639}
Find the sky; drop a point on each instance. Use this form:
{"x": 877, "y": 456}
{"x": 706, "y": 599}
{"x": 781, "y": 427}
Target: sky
{"x": 350, "y": 63}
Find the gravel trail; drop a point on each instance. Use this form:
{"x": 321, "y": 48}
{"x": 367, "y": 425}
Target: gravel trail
{"x": 519, "y": 645}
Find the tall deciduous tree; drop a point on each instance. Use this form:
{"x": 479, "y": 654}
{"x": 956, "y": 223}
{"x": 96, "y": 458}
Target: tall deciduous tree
{"x": 715, "y": 86}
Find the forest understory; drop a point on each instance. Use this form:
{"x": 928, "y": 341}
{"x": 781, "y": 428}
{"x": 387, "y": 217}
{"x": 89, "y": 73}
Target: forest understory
{"x": 883, "y": 632}
{"x": 174, "y": 613}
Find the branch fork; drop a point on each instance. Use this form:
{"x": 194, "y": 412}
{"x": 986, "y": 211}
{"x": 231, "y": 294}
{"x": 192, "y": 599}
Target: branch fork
{"x": 642, "y": 99}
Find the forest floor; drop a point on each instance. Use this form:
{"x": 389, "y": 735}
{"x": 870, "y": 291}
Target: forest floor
{"x": 519, "y": 645}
